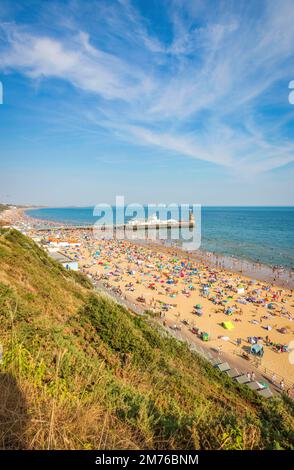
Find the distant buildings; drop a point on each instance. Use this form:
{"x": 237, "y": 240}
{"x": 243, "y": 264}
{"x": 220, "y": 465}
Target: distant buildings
{"x": 62, "y": 243}
{"x": 66, "y": 261}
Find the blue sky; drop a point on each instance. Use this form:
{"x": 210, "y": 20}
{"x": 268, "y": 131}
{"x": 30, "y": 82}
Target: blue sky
{"x": 158, "y": 100}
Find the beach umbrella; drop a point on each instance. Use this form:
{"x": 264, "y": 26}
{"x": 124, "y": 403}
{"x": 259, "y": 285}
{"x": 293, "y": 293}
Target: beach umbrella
{"x": 228, "y": 325}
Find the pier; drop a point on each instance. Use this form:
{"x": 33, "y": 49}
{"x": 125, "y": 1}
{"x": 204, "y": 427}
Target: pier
{"x": 125, "y": 227}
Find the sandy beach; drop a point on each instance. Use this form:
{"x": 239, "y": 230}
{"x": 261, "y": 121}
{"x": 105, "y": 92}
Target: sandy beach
{"x": 187, "y": 295}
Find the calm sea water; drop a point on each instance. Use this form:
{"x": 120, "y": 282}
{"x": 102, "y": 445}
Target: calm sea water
{"x": 263, "y": 234}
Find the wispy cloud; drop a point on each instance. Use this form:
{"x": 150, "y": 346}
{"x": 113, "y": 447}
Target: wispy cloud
{"x": 76, "y": 61}
{"x": 201, "y": 90}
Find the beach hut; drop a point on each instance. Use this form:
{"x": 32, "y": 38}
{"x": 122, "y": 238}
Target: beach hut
{"x": 205, "y": 291}
{"x": 233, "y": 373}
{"x": 255, "y": 385}
{"x": 265, "y": 393}
{"x": 228, "y": 325}
{"x": 223, "y": 367}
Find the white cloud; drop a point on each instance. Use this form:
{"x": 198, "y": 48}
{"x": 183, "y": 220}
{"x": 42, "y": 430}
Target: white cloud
{"x": 197, "y": 94}
{"x": 81, "y": 64}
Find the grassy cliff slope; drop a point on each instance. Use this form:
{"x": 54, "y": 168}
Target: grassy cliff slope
{"x": 80, "y": 372}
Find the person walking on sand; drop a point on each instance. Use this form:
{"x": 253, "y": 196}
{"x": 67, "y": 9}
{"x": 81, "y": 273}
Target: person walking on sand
{"x": 274, "y": 379}
{"x": 282, "y": 385}
{"x": 252, "y": 376}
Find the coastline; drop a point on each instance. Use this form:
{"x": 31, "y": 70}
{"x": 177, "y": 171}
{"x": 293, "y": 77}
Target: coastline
{"x": 275, "y": 275}
{"x": 132, "y": 272}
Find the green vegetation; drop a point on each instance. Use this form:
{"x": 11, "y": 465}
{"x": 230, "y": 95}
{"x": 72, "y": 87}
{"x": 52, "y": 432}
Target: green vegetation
{"x": 80, "y": 371}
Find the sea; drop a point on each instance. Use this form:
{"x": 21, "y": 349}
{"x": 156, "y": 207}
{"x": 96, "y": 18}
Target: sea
{"x": 258, "y": 234}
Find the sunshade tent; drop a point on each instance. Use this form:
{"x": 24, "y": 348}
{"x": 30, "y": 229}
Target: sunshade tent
{"x": 228, "y": 325}
{"x": 256, "y": 349}
{"x": 205, "y": 336}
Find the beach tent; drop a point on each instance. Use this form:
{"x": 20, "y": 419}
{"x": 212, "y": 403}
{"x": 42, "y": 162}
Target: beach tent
{"x": 257, "y": 350}
{"x": 268, "y": 327}
{"x": 228, "y": 325}
{"x": 205, "y": 336}
{"x": 240, "y": 289}
{"x": 252, "y": 340}
{"x": 205, "y": 291}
